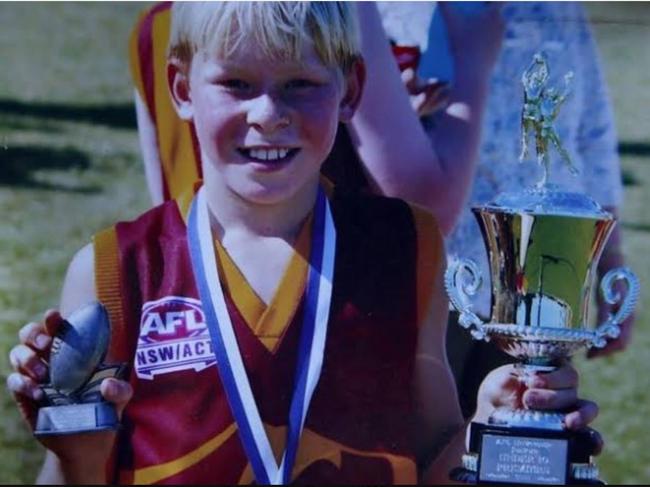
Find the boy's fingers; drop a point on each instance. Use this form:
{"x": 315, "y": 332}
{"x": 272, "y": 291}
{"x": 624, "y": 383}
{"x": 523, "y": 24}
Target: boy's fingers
{"x": 549, "y": 398}
{"x": 39, "y": 335}
{"x": 35, "y": 335}
{"x": 565, "y": 377}
{"x": 24, "y": 360}
{"x": 23, "y": 387}
{"x": 26, "y": 394}
{"x": 586, "y": 413}
{"x": 598, "y": 442}
{"x": 117, "y": 391}
{"x": 595, "y": 440}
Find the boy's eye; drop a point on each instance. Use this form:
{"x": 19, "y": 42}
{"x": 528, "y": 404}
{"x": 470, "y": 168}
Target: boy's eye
{"x": 235, "y": 84}
{"x": 300, "y": 83}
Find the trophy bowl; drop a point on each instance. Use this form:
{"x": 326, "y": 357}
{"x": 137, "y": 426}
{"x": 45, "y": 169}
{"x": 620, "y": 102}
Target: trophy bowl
{"x": 543, "y": 248}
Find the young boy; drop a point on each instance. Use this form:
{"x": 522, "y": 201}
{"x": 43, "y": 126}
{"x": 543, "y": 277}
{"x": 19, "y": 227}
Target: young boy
{"x": 276, "y": 333}
{"x": 433, "y": 166}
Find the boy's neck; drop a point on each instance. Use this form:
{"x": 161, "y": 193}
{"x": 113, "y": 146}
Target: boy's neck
{"x": 232, "y": 214}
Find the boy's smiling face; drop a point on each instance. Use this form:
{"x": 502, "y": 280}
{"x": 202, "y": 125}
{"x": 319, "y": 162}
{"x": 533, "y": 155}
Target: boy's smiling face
{"x": 265, "y": 126}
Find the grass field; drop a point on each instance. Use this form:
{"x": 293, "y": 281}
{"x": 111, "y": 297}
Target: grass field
{"x": 69, "y": 165}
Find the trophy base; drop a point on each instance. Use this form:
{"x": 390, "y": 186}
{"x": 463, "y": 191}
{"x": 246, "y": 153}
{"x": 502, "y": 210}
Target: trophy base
{"x": 465, "y": 476}
{"x": 76, "y": 418}
{"x": 502, "y": 455}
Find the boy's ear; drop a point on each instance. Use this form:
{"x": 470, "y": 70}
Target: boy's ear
{"x": 355, "y": 80}
{"x": 178, "y": 82}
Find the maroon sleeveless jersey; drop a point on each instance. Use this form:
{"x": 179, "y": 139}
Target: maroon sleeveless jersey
{"x": 179, "y": 429}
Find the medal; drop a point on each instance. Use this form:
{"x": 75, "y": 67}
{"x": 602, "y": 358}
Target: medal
{"x": 229, "y": 360}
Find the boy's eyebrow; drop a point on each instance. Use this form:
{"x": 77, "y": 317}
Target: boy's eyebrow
{"x": 289, "y": 65}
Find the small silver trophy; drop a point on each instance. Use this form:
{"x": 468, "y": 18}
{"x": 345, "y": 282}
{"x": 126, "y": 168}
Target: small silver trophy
{"x": 73, "y": 402}
{"x": 543, "y": 247}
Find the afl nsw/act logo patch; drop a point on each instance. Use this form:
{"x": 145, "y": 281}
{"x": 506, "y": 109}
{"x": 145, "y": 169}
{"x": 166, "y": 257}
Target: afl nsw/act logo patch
{"x": 173, "y": 337}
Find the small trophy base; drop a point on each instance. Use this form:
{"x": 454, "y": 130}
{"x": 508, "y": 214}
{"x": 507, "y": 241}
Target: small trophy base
{"x": 76, "y": 418}
{"x": 505, "y": 455}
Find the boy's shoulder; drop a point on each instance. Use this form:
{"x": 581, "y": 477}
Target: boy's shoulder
{"x": 391, "y": 242}
{"x": 383, "y": 213}
{"x": 163, "y": 220}
{"x": 171, "y": 215}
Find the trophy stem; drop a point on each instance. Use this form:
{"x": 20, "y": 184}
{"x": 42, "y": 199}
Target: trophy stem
{"x": 528, "y": 418}
{"x": 532, "y": 366}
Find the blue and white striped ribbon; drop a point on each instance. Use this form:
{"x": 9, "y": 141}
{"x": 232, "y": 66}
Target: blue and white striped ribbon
{"x": 229, "y": 361}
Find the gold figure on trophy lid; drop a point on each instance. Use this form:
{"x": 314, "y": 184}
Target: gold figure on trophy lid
{"x": 541, "y": 107}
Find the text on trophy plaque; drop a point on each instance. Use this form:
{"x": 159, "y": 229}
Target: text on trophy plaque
{"x": 523, "y": 460}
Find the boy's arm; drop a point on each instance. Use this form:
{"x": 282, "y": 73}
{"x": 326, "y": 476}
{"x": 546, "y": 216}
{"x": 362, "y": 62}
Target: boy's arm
{"x": 51, "y": 473}
{"x": 440, "y": 422}
{"x": 81, "y": 458}
{"x": 79, "y": 283}
{"x": 78, "y": 289}
{"x": 399, "y": 156}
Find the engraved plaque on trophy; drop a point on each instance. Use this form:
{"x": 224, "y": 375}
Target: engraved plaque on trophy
{"x": 543, "y": 246}
{"x": 73, "y": 402}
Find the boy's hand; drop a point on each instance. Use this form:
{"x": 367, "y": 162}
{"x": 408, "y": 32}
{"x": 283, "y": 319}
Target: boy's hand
{"x": 85, "y": 455}
{"x": 29, "y": 361}
{"x": 508, "y": 387}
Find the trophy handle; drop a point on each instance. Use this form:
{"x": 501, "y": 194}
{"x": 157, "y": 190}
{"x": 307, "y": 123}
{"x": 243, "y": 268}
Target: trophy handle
{"x": 610, "y": 328}
{"x": 459, "y": 290}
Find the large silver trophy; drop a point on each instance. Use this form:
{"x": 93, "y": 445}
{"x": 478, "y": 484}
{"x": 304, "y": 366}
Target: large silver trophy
{"x": 73, "y": 402}
{"x": 543, "y": 247}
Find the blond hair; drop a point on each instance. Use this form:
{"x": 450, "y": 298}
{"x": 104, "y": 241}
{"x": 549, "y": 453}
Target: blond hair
{"x": 280, "y": 29}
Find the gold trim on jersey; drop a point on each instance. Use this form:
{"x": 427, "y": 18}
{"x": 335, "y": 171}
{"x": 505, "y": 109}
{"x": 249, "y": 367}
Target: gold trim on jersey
{"x": 313, "y": 448}
{"x": 269, "y": 322}
{"x": 107, "y": 282}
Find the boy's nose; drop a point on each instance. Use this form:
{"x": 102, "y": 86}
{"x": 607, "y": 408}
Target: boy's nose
{"x": 267, "y": 114}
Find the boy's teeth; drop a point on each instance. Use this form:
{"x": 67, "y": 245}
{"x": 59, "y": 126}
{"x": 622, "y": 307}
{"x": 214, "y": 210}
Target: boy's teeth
{"x": 268, "y": 154}
{"x": 259, "y": 154}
